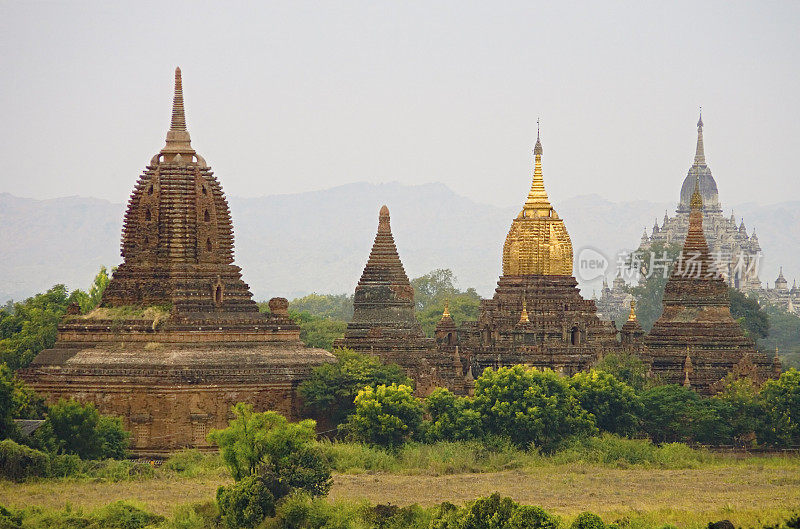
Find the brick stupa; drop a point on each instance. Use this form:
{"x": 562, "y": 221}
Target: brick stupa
{"x": 537, "y": 316}
{"x": 384, "y": 321}
{"x": 177, "y": 338}
{"x": 696, "y": 342}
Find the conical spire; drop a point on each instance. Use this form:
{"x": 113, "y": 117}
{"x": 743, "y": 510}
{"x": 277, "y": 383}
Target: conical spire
{"x": 384, "y": 263}
{"x": 446, "y": 313}
{"x": 695, "y": 261}
{"x": 700, "y": 155}
{"x": 538, "y": 203}
{"x": 178, "y": 141}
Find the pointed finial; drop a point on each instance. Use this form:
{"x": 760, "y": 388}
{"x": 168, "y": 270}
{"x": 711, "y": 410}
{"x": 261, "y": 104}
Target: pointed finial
{"x": 446, "y": 313}
{"x": 523, "y": 317}
{"x": 537, "y": 204}
{"x": 632, "y": 315}
{"x": 700, "y": 154}
{"x": 178, "y": 139}
{"x": 697, "y": 199}
{"x": 383, "y": 220}
{"x": 178, "y": 115}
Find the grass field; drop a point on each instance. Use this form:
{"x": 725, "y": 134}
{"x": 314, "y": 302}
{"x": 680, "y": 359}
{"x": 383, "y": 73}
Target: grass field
{"x": 750, "y": 492}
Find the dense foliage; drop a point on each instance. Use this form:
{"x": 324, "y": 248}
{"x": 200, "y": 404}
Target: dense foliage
{"x": 75, "y": 428}
{"x": 29, "y": 327}
{"x": 746, "y": 310}
{"x": 531, "y": 407}
{"x": 452, "y": 418}
{"x": 385, "y": 415}
{"x": 615, "y": 405}
{"x": 332, "y": 388}
{"x": 436, "y": 288}
{"x": 656, "y": 265}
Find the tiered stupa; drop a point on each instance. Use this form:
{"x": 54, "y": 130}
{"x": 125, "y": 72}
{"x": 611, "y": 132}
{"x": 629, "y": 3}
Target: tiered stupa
{"x": 696, "y": 341}
{"x": 537, "y": 315}
{"x": 384, "y": 321}
{"x": 737, "y": 254}
{"x": 177, "y": 339}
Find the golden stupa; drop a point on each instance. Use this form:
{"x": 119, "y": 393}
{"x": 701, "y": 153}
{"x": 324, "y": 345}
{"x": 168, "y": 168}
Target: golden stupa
{"x": 538, "y": 242}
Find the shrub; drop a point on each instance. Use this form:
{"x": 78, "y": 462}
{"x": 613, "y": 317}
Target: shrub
{"x": 75, "y": 428}
{"x": 531, "y": 407}
{"x": 385, "y": 416}
{"x": 246, "y": 502}
{"x": 614, "y": 404}
{"x": 332, "y": 388}
{"x": 118, "y": 515}
{"x": 780, "y": 400}
{"x": 494, "y": 512}
{"x": 305, "y": 469}
{"x": 299, "y": 511}
{"x": 452, "y": 417}
{"x": 587, "y": 520}
{"x": 251, "y": 438}
{"x": 674, "y": 413}
{"x": 18, "y": 462}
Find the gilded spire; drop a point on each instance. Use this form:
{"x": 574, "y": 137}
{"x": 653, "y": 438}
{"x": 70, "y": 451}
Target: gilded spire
{"x": 446, "y": 313}
{"x": 538, "y": 203}
{"x": 523, "y": 317}
{"x": 697, "y": 199}
{"x": 632, "y": 315}
{"x": 178, "y": 140}
{"x": 700, "y": 155}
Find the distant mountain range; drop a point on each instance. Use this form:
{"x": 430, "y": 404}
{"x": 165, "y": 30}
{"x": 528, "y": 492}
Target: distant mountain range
{"x": 291, "y": 245}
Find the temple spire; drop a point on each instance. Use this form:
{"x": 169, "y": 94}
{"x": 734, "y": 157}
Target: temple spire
{"x": 700, "y": 154}
{"x": 178, "y": 139}
{"x": 537, "y": 203}
{"x": 632, "y": 315}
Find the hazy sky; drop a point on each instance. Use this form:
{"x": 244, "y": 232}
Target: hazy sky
{"x": 296, "y": 96}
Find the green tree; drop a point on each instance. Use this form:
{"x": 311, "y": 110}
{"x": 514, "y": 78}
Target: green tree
{"x": 614, "y": 404}
{"x": 587, "y": 520}
{"x": 31, "y": 326}
{"x": 75, "y": 428}
{"x": 436, "y": 288}
{"x": 531, "y": 407}
{"x": 337, "y": 307}
{"x": 91, "y": 300}
{"x": 494, "y": 512}
{"x": 7, "y": 427}
{"x": 649, "y": 293}
{"x": 385, "y": 416}
{"x": 784, "y": 335}
{"x": 739, "y": 409}
{"x": 752, "y": 318}
{"x": 625, "y": 367}
{"x": 452, "y": 417}
{"x": 780, "y": 400}
{"x": 674, "y": 413}
{"x": 332, "y": 388}
{"x": 318, "y": 332}
{"x": 251, "y": 438}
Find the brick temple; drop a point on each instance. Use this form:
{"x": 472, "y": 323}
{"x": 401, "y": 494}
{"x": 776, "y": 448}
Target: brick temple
{"x": 385, "y": 323}
{"x": 696, "y": 341}
{"x": 177, "y": 338}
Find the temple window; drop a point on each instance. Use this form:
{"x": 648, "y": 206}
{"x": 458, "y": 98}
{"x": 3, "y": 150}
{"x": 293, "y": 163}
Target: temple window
{"x": 218, "y": 294}
{"x": 207, "y": 216}
{"x": 209, "y": 246}
{"x": 147, "y": 214}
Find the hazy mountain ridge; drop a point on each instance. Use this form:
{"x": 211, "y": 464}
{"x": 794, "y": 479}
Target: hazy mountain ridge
{"x": 290, "y": 245}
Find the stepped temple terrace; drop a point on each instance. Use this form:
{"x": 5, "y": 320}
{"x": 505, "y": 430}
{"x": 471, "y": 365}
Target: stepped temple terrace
{"x": 177, "y": 339}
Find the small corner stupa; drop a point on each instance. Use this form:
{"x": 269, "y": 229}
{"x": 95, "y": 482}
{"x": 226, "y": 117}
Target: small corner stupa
{"x": 696, "y": 342}
{"x": 177, "y": 339}
{"x": 384, "y": 320}
{"x": 537, "y": 316}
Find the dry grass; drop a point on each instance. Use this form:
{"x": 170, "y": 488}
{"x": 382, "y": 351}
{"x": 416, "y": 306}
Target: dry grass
{"x": 748, "y": 493}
